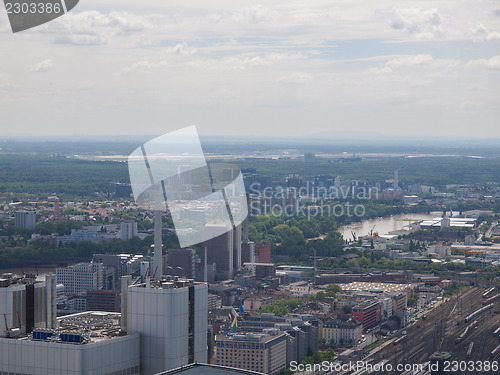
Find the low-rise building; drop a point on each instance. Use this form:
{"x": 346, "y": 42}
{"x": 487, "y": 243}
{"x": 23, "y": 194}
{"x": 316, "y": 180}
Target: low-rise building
{"x": 259, "y": 352}
{"x": 342, "y": 331}
{"x": 368, "y": 313}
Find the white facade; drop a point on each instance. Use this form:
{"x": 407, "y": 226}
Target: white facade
{"x": 45, "y": 358}
{"x": 338, "y": 331}
{"x": 15, "y": 304}
{"x": 81, "y": 277}
{"x": 166, "y": 317}
{"x": 386, "y": 304}
{"x": 26, "y": 220}
{"x": 441, "y": 250}
{"x": 128, "y": 229}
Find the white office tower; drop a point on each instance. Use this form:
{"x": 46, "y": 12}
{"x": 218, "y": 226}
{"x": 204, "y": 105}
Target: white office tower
{"x": 237, "y": 263}
{"x": 128, "y": 230}
{"x": 171, "y": 319}
{"x": 26, "y": 220}
{"x": 51, "y": 295}
{"x": 396, "y": 180}
{"x": 81, "y": 277}
{"x": 26, "y": 305}
{"x": 35, "y": 342}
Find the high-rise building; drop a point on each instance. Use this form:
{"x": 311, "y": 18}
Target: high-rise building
{"x": 263, "y": 252}
{"x": 163, "y": 326}
{"x": 171, "y": 319}
{"x": 26, "y": 220}
{"x": 73, "y": 347}
{"x": 116, "y": 266}
{"x": 248, "y": 252}
{"x": 81, "y": 277}
{"x": 237, "y": 248}
{"x": 25, "y": 305}
{"x": 219, "y": 249}
{"x": 181, "y": 262}
{"x": 260, "y": 352}
{"x": 128, "y": 230}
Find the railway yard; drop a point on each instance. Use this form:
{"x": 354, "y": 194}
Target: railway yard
{"x": 445, "y": 329}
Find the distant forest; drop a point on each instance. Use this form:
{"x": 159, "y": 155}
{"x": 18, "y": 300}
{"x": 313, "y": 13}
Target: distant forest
{"x": 433, "y": 171}
{"x": 61, "y": 175}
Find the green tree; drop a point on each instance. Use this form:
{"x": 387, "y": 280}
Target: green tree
{"x": 332, "y": 290}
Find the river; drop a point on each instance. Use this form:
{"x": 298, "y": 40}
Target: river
{"x": 384, "y": 225}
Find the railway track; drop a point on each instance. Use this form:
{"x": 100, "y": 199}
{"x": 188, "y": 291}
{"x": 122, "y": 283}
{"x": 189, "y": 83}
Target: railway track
{"x": 442, "y": 328}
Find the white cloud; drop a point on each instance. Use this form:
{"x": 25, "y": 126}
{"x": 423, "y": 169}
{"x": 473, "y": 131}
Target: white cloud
{"x": 481, "y": 33}
{"x": 401, "y": 62}
{"x": 255, "y": 14}
{"x": 94, "y": 28}
{"x": 296, "y": 78}
{"x": 492, "y": 63}
{"x": 410, "y": 60}
{"x": 419, "y": 22}
{"x": 142, "y": 66}
{"x": 180, "y": 49}
{"x": 42, "y": 66}
{"x": 262, "y": 62}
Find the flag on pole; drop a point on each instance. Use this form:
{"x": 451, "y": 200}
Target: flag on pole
{"x": 242, "y": 309}
{"x": 233, "y": 315}
{"x": 234, "y": 325}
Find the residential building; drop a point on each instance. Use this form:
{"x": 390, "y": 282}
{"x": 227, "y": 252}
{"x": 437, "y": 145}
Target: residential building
{"x": 342, "y": 331}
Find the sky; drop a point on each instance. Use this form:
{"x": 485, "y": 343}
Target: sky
{"x": 279, "y": 68}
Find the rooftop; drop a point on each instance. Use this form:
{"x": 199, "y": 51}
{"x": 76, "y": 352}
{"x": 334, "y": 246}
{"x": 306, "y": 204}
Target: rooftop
{"x": 250, "y": 336}
{"x": 168, "y": 282}
{"x": 375, "y": 287}
{"x": 205, "y": 369}
{"x": 82, "y": 328}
